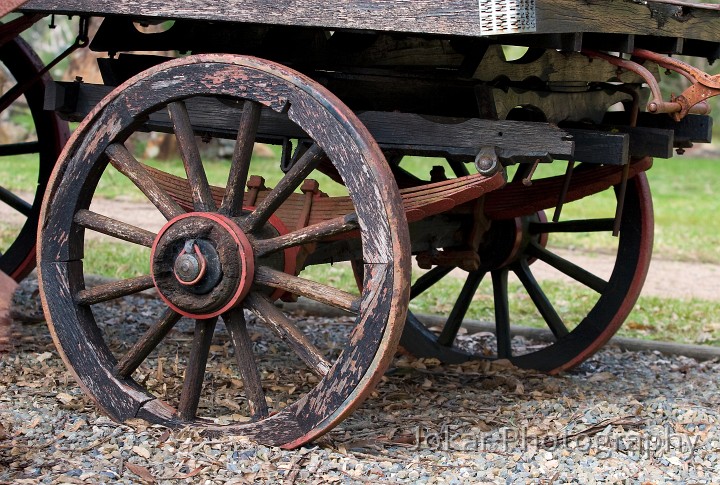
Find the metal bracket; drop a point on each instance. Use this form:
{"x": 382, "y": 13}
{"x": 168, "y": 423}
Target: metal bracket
{"x": 703, "y": 86}
{"x": 692, "y": 101}
{"x": 507, "y": 16}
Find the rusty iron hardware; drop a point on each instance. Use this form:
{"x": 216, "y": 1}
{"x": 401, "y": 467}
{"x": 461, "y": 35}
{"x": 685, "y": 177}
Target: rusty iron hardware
{"x": 527, "y": 180}
{"x": 703, "y": 86}
{"x": 679, "y": 106}
{"x": 16, "y": 91}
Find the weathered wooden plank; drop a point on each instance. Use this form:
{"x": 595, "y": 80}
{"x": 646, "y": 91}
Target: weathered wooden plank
{"x": 459, "y": 17}
{"x": 623, "y": 17}
{"x": 456, "y": 17}
{"x": 513, "y": 140}
{"x": 644, "y": 142}
{"x": 650, "y": 142}
{"x": 691, "y": 129}
{"x": 409, "y": 132}
{"x": 598, "y": 147}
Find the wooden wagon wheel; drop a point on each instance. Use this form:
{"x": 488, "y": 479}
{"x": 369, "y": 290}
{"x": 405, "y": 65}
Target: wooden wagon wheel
{"x": 202, "y": 261}
{"x": 512, "y": 246}
{"x": 41, "y": 141}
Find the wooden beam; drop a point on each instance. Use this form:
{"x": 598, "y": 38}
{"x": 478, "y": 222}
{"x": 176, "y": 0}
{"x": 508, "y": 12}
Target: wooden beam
{"x": 413, "y": 134}
{"x": 597, "y": 147}
{"x": 691, "y": 129}
{"x": 436, "y": 136}
{"x": 644, "y": 141}
{"x": 623, "y": 17}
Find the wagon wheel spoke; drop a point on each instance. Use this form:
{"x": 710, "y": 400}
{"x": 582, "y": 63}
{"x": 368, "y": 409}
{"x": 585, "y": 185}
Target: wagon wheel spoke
{"x": 195, "y": 370}
{"x": 147, "y": 343}
{"x": 455, "y": 319}
{"x": 586, "y": 225}
{"x": 429, "y": 279}
{"x": 308, "y": 234}
{"x": 570, "y": 269}
{"x": 286, "y": 330}
{"x": 114, "y": 228}
{"x": 24, "y": 148}
{"x": 237, "y": 328}
{"x": 552, "y": 319}
{"x": 233, "y": 198}
{"x": 125, "y": 163}
{"x": 190, "y": 153}
{"x": 502, "y": 313}
{"x": 111, "y": 291}
{"x": 307, "y": 288}
{"x": 15, "y": 202}
{"x": 287, "y": 185}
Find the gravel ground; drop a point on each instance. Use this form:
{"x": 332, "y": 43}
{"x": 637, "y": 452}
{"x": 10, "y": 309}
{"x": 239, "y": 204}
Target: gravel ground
{"x": 620, "y": 417}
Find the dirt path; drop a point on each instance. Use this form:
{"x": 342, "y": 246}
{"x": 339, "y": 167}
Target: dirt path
{"x": 665, "y": 279}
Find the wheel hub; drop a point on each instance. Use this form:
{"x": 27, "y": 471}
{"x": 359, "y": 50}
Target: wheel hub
{"x": 202, "y": 264}
{"x": 506, "y": 241}
{"x": 198, "y": 267}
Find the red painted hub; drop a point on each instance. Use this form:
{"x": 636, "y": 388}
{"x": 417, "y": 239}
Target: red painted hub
{"x": 202, "y": 264}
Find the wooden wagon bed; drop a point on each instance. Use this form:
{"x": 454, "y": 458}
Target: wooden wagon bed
{"x": 666, "y": 18}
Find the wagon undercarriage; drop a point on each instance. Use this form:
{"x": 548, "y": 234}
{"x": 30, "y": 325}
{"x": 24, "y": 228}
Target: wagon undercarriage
{"x": 349, "y": 104}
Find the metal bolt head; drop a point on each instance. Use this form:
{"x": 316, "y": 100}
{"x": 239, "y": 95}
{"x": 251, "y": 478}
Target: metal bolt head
{"x": 187, "y": 267}
{"x": 486, "y": 161}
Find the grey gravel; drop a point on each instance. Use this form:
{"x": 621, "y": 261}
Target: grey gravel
{"x": 621, "y": 417}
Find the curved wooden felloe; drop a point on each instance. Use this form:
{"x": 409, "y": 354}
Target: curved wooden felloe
{"x": 18, "y": 259}
{"x": 339, "y": 137}
{"x": 516, "y": 248}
